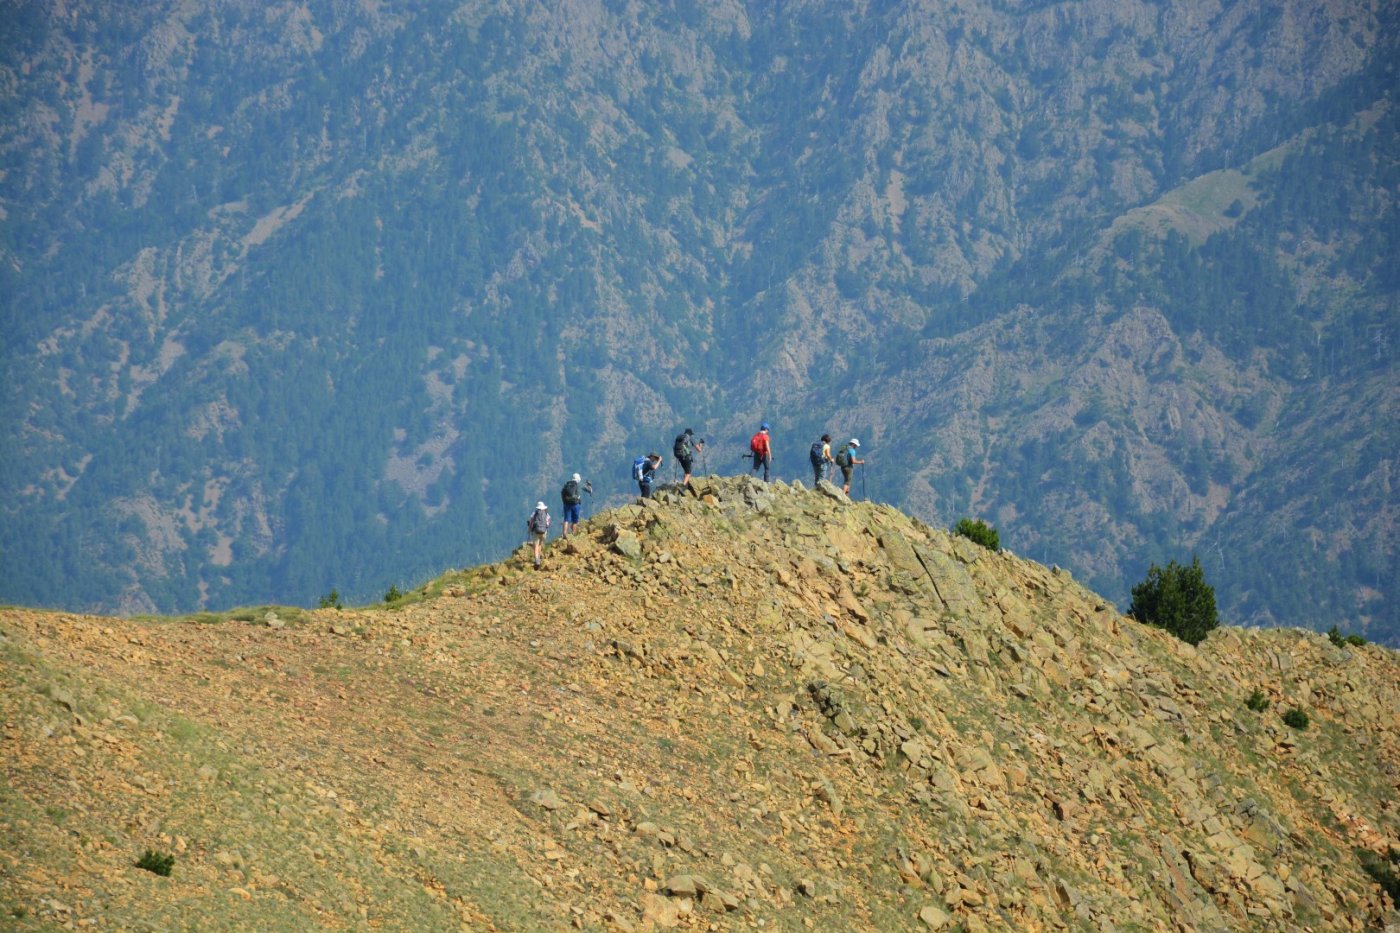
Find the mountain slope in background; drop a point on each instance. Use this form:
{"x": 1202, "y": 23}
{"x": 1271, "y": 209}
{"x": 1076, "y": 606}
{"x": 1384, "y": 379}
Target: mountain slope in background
{"x": 303, "y": 296}
{"x": 765, "y": 708}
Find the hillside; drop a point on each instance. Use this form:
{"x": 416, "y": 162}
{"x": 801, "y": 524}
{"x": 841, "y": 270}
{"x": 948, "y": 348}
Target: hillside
{"x": 765, "y": 708}
{"x": 308, "y": 295}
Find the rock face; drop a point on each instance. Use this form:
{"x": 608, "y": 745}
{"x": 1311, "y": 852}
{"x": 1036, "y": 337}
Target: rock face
{"x": 769, "y": 706}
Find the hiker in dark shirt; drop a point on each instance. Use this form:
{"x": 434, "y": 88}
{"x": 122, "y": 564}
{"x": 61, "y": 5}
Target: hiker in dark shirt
{"x": 686, "y": 447}
{"x": 572, "y": 496}
{"x": 821, "y": 458}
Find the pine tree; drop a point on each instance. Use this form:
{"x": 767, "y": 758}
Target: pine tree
{"x": 1177, "y": 599}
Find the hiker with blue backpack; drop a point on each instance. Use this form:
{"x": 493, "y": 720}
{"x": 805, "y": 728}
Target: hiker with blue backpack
{"x": 821, "y": 458}
{"x": 644, "y": 472}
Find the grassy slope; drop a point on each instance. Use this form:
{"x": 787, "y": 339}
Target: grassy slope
{"x": 830, "y": 713}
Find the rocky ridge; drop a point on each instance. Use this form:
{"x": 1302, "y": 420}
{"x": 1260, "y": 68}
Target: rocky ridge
{"x": 760, "y": 706}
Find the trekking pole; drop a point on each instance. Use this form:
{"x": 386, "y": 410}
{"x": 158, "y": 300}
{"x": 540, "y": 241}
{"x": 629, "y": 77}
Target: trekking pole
{"x": 862, "y": 484}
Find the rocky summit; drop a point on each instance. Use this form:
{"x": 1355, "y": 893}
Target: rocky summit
{"x": 745, "y": 706}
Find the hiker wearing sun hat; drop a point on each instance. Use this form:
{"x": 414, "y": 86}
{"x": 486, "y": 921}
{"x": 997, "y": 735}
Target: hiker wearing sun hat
{"x": 538, "y": 523}
{"x": 847, "y": 461}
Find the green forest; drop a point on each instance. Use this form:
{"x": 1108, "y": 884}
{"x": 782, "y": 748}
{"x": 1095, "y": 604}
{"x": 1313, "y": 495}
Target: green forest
{"x": 303, "y": 298}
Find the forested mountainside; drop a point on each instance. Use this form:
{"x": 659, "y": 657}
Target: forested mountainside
{"x": 325, "y": 295}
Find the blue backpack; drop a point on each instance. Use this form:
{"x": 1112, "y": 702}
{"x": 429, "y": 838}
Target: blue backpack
{"x": 816, "y": 454}
{"x": 637, "y": 466}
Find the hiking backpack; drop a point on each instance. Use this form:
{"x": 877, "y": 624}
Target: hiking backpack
{"x": 539, "y": 521}
{"x": 637, "y": 468}
{"x": 755, "y": 444}
{"x": 816, "y": 454}
{"x": 680, "y": 448}
{"x": 844, "y": 457}
{"x": 570, "y": 493}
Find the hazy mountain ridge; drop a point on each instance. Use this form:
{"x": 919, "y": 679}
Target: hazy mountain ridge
{"x": 569, "y": 230}
{"x": 763, "y": 708}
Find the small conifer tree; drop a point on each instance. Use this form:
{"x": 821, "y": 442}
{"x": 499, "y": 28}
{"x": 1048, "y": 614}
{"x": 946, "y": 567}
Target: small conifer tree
{"x": 1177, "y": 599}
{"x": 157, "y": 863}
{"x": 978, "y": 531}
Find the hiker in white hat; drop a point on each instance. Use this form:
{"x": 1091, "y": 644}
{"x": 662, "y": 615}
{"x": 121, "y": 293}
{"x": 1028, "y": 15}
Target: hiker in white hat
{"x": 846, "y": 460}
{"x": 538, "y": 524}
{"x": 572, "y": 496}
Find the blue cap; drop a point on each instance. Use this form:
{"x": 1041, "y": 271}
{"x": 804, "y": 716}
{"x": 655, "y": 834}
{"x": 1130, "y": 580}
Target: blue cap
{"x": 763, "y": 426}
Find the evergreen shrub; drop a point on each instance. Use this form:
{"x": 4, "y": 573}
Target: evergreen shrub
{"x": 979, "y": 532}
{"x": 1296, "y": 718}
{"x": 1177, "y": 599}
{"x": 1335, "y": 636}
{"x": 1382, "y": 870}
{"x": 158, "y": 863}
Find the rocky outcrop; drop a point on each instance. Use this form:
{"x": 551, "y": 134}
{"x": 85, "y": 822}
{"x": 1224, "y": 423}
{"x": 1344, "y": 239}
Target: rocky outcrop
{"x": 740, "y": 706}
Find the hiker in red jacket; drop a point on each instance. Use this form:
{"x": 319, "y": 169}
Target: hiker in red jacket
{"x": 762, "y": 451}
